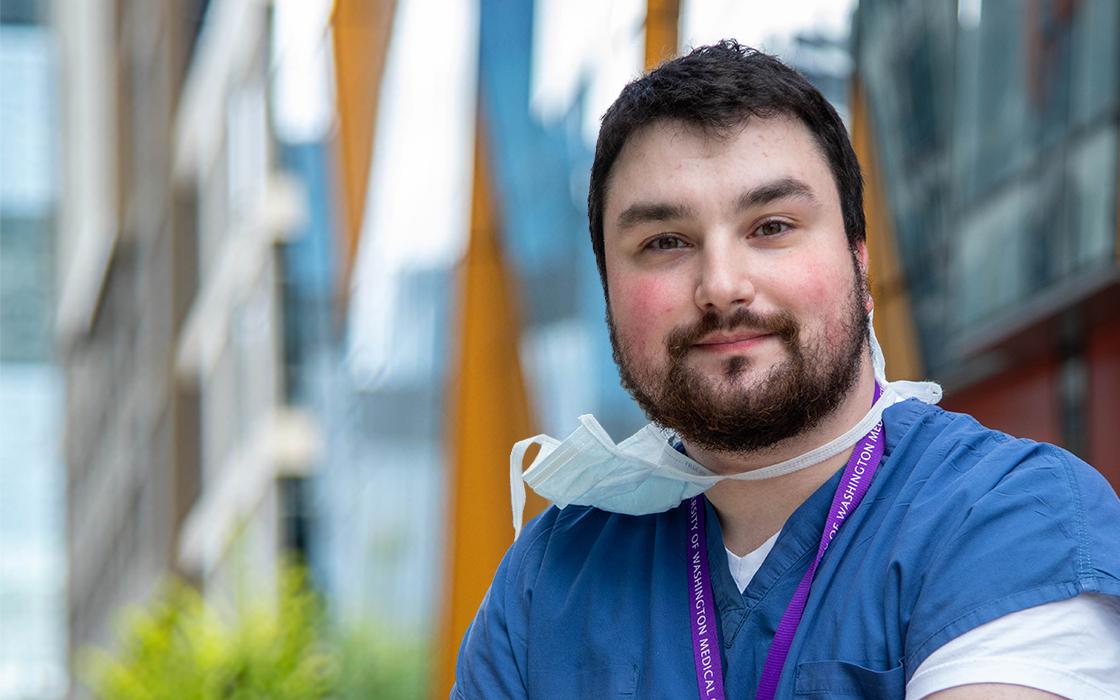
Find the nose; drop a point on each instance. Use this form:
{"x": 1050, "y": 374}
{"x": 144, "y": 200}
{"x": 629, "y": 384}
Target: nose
{"x": 725, "y": 280}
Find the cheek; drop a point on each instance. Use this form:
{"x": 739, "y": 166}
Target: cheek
{"x": 643, "y": 310}
{"x": 823, "y": 296}
{"x": 817, "y": 290}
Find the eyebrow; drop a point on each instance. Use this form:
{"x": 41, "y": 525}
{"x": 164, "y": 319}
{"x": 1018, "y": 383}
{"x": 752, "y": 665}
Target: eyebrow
{"x": 647, "y": 212}
{"x": 785, "y": 188}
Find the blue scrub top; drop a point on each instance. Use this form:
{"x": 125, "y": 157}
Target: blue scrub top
{"x": 961, "y": 525}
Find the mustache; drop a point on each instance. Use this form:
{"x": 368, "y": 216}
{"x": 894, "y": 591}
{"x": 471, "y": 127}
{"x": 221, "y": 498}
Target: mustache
{"x": 780, "y": 324}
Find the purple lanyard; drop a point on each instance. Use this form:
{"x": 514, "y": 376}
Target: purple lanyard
{"x": 705, "y": 642}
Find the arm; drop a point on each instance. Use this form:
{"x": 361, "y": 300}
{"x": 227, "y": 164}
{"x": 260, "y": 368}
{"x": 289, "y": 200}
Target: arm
{"x": 489, "y": 665}
{"x": 1045, "y": 532}
{"x": 1069, "y": 648}
{"x": 992, "y": 691}
{"x": 492, "y": 658}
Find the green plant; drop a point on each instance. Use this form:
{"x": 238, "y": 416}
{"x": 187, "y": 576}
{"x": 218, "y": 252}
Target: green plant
{"x": 179, "y": 647}
{"x": 371, "y": 666}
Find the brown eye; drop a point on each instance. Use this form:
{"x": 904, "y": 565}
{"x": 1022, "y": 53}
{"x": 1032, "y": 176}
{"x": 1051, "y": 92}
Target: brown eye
{"x": 772, "y": 228}
{"x": 666, "y": 243}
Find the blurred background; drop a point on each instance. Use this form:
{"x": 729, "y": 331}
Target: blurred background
{"x": 282, "y": 281}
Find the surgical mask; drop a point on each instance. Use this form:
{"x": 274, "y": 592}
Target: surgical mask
{"x": 646, "y": 474}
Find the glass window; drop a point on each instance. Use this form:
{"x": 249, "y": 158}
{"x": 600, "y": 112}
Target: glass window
{"x": 1095, "y": 72}
{"x": 987, "y": 259}
{"x": 1000, "y": 108}
{"x": 1048, "y": 60}
{"x": 1092, "y": 173}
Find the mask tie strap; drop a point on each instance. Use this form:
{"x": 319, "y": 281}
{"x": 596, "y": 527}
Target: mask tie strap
{"x": 517, "y": 478}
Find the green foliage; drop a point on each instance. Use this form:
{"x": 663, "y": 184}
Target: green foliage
{"x": 382, "y": 666}
{"x": 178, "y": 647}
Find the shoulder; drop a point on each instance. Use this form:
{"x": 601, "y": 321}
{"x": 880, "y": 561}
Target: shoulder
{"x": 987, "y": 524}
{"x": 558, "y": 527}
{"x": 943, "y": 453}
{"x": 571, "y": 541}
{"x": 493, "y": 658}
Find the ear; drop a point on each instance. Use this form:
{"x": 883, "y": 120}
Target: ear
{"x": 860, "y": 254}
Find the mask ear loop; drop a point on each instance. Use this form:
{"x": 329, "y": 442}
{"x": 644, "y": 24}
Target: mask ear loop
{"x": 517, "y": 478}
{"x": 878, "y": 362}
{"x": 927, "y": 392}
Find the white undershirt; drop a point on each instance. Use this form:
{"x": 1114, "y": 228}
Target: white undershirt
{"x": 1070, "y": 648}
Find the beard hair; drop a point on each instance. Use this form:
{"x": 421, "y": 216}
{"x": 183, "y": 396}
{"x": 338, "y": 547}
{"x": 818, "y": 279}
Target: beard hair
{"x": 793, "y": 397}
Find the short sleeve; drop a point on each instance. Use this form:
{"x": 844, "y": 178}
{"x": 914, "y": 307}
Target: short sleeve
{"x": 492, "y": 656}
{"x": 1070, "y": 648}
{"x": 1028, "y": 524}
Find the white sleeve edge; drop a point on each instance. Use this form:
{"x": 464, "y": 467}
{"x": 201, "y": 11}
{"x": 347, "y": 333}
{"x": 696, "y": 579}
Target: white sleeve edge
{"x": 1069, "y": 647}
{"x": 1002, "y": 670}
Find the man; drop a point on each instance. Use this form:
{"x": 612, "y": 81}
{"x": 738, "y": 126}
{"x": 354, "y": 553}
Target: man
{"x": 726, "y": 218}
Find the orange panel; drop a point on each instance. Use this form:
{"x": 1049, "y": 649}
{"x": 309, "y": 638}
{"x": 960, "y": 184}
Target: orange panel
{"x": 894, "y": 325}
{"x": 360, "y": 30}
{"x": 662, "y": 18}
{"x": 489, "y": 412}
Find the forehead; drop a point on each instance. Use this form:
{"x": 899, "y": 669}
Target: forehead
{"x": 671, "y": 159}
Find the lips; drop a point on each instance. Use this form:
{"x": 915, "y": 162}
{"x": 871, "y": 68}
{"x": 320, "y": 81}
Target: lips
{"x": 738, "y": 331}
{"x": 731, "y": 341}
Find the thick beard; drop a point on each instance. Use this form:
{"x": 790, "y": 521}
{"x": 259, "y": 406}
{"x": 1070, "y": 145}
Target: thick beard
{"x": 794, "y": 397}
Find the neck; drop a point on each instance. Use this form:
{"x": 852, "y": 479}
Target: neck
{"x": 751, "y": 511}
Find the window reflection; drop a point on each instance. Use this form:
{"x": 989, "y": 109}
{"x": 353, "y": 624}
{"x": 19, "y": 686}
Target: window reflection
{"x": 997, "y": 141}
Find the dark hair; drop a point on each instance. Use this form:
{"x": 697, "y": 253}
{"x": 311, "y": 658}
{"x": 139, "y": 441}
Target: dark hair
{"x": 717, "y": 88}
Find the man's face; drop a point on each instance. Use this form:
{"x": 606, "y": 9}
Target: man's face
{"x": 737, "y": 309}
